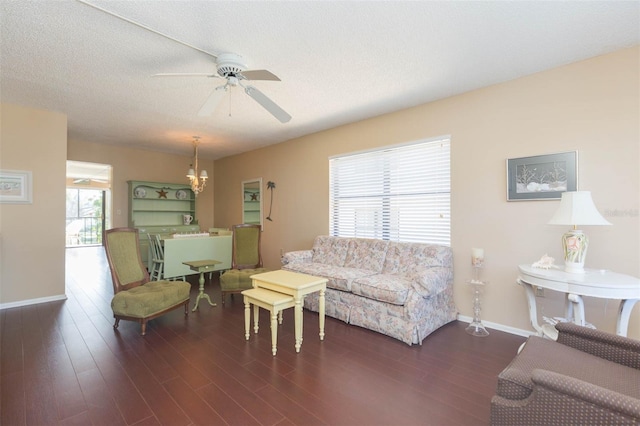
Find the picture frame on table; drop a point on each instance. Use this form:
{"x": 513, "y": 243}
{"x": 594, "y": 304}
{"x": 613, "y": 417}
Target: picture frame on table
{"x": 16, "y": 187}
{"x": 542, "y": 177}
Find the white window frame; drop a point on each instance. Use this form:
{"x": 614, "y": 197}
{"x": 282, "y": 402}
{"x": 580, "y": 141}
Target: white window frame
{"x": 396, "y": 193}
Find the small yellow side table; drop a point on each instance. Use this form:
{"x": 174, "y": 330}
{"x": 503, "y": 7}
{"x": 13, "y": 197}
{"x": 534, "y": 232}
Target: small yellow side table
{"x": 272, "y": 301}
{"x": 202, "y": 266}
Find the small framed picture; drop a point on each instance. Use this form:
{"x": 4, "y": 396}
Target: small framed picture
{"x": 15, "y": 187}
{"x": 542, "y": 177}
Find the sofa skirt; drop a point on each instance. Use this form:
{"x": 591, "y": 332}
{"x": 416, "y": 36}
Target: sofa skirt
{"x": 410, "y": 323}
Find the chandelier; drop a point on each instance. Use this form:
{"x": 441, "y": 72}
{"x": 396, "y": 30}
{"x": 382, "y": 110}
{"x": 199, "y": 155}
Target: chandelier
{"x": 197, "y": 182}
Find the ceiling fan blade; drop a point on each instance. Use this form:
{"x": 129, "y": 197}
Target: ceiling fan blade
{"x": 267, "y": 104}
{"x": 212, "y": 101}
{"x": 259, "y": 75}
{"x": 186, "y": 74}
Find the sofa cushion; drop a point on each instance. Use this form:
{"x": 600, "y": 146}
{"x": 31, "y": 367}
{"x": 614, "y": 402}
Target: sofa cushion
{"x": 366, "y": 254}
{"x": 429, "y": 281}
{"x": 330, "y": 250}
{"x": 514, "y": 382}
{"x": 385, "y": 288}
{"x": 404, "y": 258}
{"x": 338, "y": 277}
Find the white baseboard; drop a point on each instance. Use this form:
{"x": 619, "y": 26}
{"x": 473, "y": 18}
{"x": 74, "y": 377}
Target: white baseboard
{"x": 500, "y": 327}
{"x": 463, "y": 318}
{"x": 32, "y": 301}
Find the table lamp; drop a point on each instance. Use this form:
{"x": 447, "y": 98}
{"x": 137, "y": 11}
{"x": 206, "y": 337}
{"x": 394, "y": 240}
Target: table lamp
{"x": 576, "y": 208}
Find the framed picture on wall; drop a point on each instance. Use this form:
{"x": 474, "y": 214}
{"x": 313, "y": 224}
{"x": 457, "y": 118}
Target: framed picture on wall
{"x": 15, "y": 187}
{"x": 542, "y": 177}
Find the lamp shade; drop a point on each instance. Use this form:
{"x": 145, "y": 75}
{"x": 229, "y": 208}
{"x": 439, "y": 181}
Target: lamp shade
{"x": 191, "y": 174}
{"x": 203, "y": 174}
{"x": 577, "y": 208}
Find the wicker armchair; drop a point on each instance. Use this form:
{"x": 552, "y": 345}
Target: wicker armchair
{"x": 585, "y": 377}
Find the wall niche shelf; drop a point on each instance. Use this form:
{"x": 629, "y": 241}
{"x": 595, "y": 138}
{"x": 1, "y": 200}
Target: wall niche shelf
{"x": 252, "y": 201}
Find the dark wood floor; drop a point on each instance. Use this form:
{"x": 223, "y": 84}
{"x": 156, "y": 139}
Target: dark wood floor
{"x": 63, "y": 363}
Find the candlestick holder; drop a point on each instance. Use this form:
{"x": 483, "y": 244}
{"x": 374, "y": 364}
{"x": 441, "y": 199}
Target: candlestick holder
{"x": 476, "y": 328}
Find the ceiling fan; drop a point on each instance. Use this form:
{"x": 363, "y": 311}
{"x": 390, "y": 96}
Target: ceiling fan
{"x": 229, "y": 66}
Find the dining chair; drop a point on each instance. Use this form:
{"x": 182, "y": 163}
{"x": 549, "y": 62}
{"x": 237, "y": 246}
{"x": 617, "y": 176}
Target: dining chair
{"x": 136, "y": 297}
{"x": 246, "y": 260}
{"x": 159, "y": 255}
{"x": 218, "y": 231}
{"x": 157, "y": 262}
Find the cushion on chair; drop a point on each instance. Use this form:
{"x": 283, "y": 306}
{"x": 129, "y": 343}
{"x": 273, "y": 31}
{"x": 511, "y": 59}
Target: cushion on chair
{"x": 239, "y": 279}
{"x": 515, "y": 381}
{"x": 150, "y": 298}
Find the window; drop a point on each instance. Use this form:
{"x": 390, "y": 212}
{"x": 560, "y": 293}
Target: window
{"x": 85, "y": 213}
{"x": 398, "y": 193}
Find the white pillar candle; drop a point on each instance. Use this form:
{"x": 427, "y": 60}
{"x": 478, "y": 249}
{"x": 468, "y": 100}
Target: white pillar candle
{"x": 477, "y": 257}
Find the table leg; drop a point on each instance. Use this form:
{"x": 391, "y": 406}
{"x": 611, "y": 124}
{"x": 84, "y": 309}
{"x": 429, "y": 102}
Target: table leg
{"x": 321, "y": 314}
{"x": 201, "y": 293}
{"x": 247, "y": 319}
{"x": 624, "y": 312}
{"x": 568, "y": 308}
{"x": 274, "y": 332}
{"x": 256, "y": 318}
{"x": 533, "y": 310}
{"x": 297, "y": 309}
{"x": 578, "y": 309}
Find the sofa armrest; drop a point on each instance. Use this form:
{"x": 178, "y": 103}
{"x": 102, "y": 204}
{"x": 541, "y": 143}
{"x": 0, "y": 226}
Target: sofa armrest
{"x": 612, "y": 347}
{"x": 299, "y": 256}
{"x": 560, "y": 399}
{"x": 431, "y": 280}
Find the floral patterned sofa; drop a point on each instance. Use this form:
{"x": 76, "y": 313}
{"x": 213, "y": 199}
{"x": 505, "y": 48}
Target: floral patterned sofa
{"x": 403, "y": 290}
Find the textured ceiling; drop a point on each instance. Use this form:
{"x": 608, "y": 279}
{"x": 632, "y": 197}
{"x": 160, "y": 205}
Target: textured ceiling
{"x": 339, "y": 62}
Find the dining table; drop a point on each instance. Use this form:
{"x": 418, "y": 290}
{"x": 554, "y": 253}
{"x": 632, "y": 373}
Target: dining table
{"x": 189, "y": 248}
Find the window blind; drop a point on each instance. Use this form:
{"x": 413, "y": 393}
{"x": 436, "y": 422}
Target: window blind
{"x": 400, "y": 193}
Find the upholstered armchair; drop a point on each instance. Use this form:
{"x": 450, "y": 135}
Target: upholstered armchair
{"x": 585, "y": 377}
{"x": 136, "y": 298}
{"x": 246, "y": 260}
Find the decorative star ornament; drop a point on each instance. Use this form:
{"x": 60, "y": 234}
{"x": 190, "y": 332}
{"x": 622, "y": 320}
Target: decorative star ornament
{"x": 162, "y": 193}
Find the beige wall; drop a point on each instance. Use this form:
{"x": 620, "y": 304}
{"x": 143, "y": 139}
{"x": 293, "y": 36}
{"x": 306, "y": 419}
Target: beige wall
{"x": 590, "y": 106}
{"x": 32, "y": 235}
{"x": 135, "y": 164}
